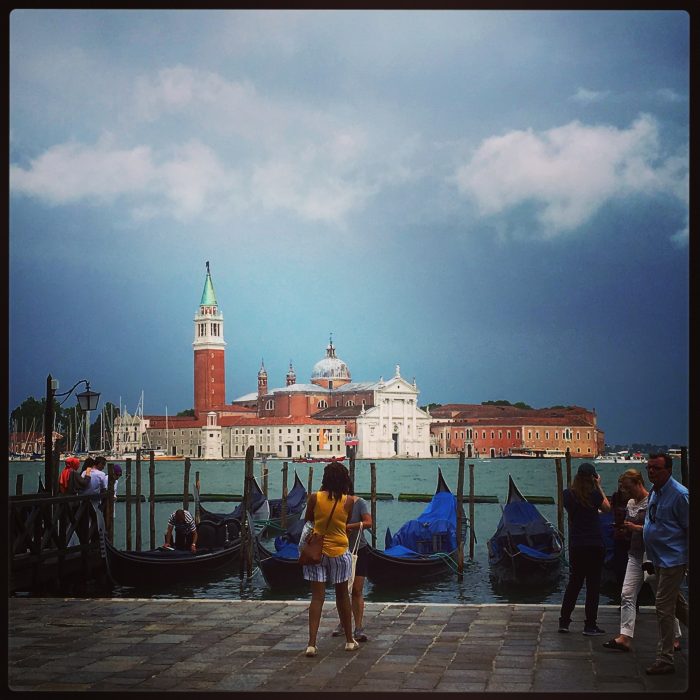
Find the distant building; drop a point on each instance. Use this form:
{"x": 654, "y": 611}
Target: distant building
{"x": 497, "y": 431}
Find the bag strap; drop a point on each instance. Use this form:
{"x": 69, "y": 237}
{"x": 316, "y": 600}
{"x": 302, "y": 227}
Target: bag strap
{"x": 330, "y": 515}
{"x": 357, "y": 541}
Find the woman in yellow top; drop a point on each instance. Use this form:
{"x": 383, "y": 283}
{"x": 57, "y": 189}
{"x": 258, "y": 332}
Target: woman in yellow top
{"x": 336, "y": 561}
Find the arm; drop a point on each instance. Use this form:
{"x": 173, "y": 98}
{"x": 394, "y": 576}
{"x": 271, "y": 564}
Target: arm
{"x": 169, "y": 535}
{"x": 309, "y": 514}
{"x": 605, "y": 505}
{"x": 195, "y": 536}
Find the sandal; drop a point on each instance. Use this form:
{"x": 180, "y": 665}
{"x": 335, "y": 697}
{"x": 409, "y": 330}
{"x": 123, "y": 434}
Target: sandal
{"x": 614, "y": 644}
{"x": 311, "y": 651}
{"x": 352, "y": 646}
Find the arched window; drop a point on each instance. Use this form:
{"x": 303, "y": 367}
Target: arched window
{"x": 269, "y": 404}
{"x": 323, "y": 404}
{"x": 350, "y": 403}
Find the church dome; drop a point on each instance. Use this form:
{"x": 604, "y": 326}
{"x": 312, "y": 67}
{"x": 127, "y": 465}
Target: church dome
{"x": 330, "y": 367}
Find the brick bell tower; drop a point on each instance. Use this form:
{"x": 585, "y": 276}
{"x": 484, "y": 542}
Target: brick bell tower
{"x": 209, "y": 348}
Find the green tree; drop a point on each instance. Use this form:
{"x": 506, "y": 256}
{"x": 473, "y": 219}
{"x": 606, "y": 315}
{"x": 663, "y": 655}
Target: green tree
{"x": 189, "y": 413}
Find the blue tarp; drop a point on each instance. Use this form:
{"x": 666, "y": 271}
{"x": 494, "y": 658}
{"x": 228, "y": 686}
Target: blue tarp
{"x": 434, "y": 530}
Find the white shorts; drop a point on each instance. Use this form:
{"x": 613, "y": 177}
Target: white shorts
{"x": 331, "y": 569}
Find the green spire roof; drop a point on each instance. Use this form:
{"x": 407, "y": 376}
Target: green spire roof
{"x": 208, "y": 296}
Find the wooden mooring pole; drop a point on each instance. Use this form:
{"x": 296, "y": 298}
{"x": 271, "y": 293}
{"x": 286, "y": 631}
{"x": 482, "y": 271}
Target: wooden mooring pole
{"x": 127, "y": 504}
{"x": 109, "y": 503}
{"x": 560, "y": 495}
{"x": 186, "y": 485}
{"x": 248, "y": 525}
{"x": 264, "y": 471}
{"x": 152, "y": 498}
{"x": 283, "y": 514}
{"x": 139, "y": 527}
{"x": 351, "y": 470}
{"x": 460, "y": 517}
{"x": 310, "y": 483}
{"x": 472, "y": 533}
{"x": 18, "y": 484}
{"x": 197, "y": 513}
{"x": 568, "y": 468}
{"x": 373, "y": 500}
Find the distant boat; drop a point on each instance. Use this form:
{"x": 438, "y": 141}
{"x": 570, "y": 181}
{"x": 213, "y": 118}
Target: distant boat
{"x": 622, "y": 457}
{"x": 532, "y": 453}
{"x": 315, "y": 460}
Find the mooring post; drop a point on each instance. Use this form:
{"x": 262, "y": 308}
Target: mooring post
{"x": 247, "y": 530}
{"x": 127, "y": 504}
{"x": 472, "y": 514}
{"x": 152, "y": 498}
{"x": 309, "y": 487}
{"x": 352, "y": 466}
{"x": 139, "y": 527}
{"x": 373, "y": 500}
{"x": 460, "y": 517}
{"x": 560, "y": 495}
{"x": 684, "y": 466}
{"x": 283, "y": 515}
{"x": 264, "y": 471}
{"x": 186, "y": 487}
{"x": 109, "y": 502}
{"x": 18, "y": 484}
{"x": 568, "y": 468}
{"x": 197, "y": 513}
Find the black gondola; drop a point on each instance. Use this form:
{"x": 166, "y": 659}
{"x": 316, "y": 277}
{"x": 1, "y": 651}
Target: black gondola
{"x": 296, "y": 501}
{"x": 526, "y": 548}
{"x": 259, "y": 508}
{"x": 218, "y": 547}
{"x": 423, "y": 549}
{"x": 281, "y": 568}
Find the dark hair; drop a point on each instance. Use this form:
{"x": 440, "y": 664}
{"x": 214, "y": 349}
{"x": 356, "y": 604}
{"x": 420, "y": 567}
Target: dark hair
{"x": 100, "y": 460}
{"x": 582, "y": 487}
{"x": 89, "y": 462}
{"x": 668, "y": 460}
{"x": 179, "y": 515}
{"x": 336, "y": 480}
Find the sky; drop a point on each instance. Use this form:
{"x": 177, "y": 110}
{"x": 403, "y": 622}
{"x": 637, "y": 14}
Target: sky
{"x": 495, "y": 201}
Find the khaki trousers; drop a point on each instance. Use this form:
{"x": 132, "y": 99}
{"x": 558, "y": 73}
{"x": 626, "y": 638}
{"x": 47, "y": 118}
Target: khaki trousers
{"x": 670, "y": 604}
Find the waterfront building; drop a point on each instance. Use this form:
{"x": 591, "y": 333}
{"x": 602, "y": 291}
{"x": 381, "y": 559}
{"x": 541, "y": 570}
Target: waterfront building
{"x": 498, "y": 431}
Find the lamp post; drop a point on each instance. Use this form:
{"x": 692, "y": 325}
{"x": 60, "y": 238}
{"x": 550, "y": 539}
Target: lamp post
{"x": 88, "y": 401}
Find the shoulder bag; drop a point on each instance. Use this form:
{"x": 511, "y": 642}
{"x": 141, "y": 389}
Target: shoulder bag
{"x": 312, "y": 550}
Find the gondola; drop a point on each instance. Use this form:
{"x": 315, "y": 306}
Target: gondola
{"x": 423, "y": 549}
{"x": 259, "y": 508}
{"x": 296, "y": 501}
{"x": 281, "y": 568}
{"x": 526, "y": 548}
{"x": 218, "y": 547}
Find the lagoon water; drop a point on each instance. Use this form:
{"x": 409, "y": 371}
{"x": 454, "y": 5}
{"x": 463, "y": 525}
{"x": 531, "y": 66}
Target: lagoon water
{"x": 533, "y": 477}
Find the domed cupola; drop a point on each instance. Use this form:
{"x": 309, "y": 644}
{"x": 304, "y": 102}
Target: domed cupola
{"x": 330, "y": 372}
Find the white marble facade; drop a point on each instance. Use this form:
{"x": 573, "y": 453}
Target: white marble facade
{"x": 395, "y": 426}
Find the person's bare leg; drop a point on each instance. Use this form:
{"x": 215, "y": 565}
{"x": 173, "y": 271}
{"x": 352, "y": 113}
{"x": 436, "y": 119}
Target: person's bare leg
{"x": 318, "y": 595}
{"x": 342, "y": 603}
{"x": 358, "y": 601}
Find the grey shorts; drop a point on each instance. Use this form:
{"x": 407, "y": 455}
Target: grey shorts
{"x": 331, "y": 569}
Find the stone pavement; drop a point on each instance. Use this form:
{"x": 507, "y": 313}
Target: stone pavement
{"x": 57, "y": 644}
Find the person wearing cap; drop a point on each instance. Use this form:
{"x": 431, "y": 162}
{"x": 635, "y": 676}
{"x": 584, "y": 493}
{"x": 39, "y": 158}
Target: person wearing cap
{"x": 583, "y": 501}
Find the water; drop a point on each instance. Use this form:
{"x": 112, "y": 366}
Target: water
{"x": 533, "y": 477}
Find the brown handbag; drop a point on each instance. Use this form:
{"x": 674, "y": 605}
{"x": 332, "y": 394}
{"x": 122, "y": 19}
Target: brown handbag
{"x": 312, "y": 551}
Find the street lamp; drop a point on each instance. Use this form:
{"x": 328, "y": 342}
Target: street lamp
{"x": 87, "y": 400}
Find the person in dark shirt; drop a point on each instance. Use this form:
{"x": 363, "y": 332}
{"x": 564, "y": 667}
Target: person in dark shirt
{"x": 586, "y": 549}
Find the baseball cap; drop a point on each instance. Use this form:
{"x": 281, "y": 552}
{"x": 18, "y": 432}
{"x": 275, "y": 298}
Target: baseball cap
{"x": 587, "y": 469}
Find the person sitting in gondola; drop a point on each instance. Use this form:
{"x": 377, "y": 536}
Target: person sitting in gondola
{"x": 182, "y": 522}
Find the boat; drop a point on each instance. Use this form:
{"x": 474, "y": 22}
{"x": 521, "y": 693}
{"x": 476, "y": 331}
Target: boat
{"x": 526, "y": 548}
{"x": 622, "y": 457}
{"x": 218, "y": 547}
{"x": 531, "y": 453}
{"x": 317, "y": 460}
{"x": 280, "y": 567}
{"x": 259, "y": 508}
{"x": 423, "y": 549}
{"x": 296, "y": 502}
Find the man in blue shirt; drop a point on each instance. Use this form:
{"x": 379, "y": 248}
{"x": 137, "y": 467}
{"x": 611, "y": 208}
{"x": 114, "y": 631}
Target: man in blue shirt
{"x": 666, "y": 544}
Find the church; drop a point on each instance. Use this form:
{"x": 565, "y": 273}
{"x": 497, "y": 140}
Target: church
{"x": 326, "y": 417}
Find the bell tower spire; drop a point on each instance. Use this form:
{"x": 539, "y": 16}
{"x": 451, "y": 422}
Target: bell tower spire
{"x": 209, "y": 349}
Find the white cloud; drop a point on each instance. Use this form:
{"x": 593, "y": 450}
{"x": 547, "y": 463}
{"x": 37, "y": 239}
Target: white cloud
{"x": 670, "y": 95}
{"x": 585, "y": 95}
{"x": 568, "y": 172}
